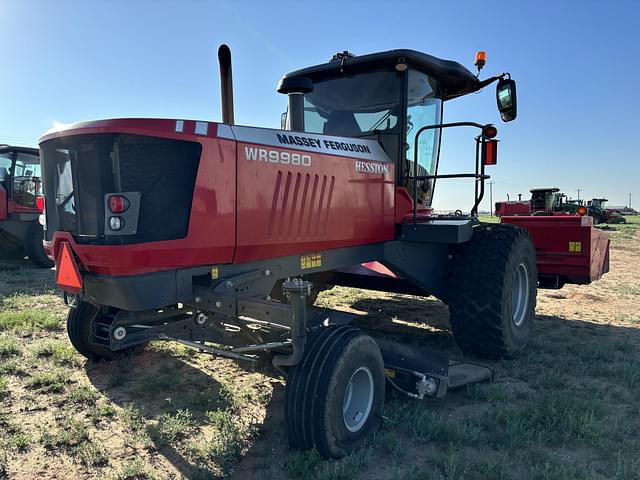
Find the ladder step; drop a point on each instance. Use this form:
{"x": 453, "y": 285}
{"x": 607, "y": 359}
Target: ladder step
{"x": 461, "y": 374}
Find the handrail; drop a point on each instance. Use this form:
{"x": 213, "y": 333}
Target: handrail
{"x": 479, "y": 175}
{"x": 450, "y": 175}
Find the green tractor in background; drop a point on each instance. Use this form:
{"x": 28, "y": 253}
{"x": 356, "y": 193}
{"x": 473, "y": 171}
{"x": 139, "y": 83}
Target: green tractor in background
{"x": 596, "y": 208}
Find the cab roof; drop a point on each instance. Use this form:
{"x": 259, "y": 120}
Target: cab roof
{"x": 547, "y": 189}
{"x": 455, "y": 79}
{"x": 10, "y": 148}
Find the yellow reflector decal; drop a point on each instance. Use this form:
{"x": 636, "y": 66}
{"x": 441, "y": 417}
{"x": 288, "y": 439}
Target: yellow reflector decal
{"x": 310, "y": 261}
{"x": 389, "y": 373}
{"x": 215, "y": 273}
{"x": 575, "y": 247}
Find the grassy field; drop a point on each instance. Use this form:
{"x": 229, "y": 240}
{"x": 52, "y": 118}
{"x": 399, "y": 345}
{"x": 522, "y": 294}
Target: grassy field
{"x": 567, "y": 408}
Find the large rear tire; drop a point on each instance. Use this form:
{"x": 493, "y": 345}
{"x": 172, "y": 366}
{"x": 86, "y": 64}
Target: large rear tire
{"x": 334, "y": 396}
{"x": 79, "y": 323}
{"x": 494, "y": 286}
{"x": 34, "y": 248}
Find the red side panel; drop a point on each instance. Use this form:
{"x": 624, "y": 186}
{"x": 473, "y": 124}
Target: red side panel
{"x": 316, "y": 193}
{"x": 285, "y": 209}
{"x": 404, "y": 204}
{"x": 404, "y": 208}
{"x": 4, "y": 211}
{"x": 567, "y": 245}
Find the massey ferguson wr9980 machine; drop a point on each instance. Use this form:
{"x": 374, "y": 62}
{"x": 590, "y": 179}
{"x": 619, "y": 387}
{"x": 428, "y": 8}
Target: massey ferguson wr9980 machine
{"x": 220, "y": 236}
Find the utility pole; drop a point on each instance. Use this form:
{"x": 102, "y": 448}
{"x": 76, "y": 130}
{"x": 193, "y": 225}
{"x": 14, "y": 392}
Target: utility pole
{"x": 630, "y": 200}
{"x": 579, "y": 190}
{"x": 491, "y": 197}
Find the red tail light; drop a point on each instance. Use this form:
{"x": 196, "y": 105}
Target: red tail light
{"x": 118, "y": 203}
{"x": 490, "y": 152}
{"x": 40, "y": 203}
{"x": 582, "y": 211}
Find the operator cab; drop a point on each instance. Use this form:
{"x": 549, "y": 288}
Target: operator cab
{"x": 598, "y": 202}
{"x": 20, "y": 176}
{"x": 388, "y": 96}
{"x": 545, "y": 199}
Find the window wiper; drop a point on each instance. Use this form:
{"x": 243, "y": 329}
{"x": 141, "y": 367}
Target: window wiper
{"x": 66, "y": 199}
{"x": 379, "y": 122}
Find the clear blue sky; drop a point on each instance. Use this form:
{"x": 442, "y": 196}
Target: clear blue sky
{"x": 577, "y": 65}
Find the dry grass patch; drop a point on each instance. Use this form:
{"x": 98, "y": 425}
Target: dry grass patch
{"x": 54, "y": 381}
{"x": 567, "y": 408}
{"x": 72, "y": 438}
{"x": 60, "y": 352}
{"x": 9, "y": 347}
{"x": 28, "y": 321}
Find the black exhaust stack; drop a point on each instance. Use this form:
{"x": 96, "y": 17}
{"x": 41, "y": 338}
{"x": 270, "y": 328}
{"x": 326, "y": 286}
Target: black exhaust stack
{"x": 226, "y": 84}
{"x": 296, "y": 88}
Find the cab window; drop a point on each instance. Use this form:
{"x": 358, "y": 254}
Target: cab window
{"x": 354, "y": 105}
{"x": 424, "y": 108}
{"x": 6, "y": 159}
{"x": 27, "y": 182}
{"x": 27, "y": 165}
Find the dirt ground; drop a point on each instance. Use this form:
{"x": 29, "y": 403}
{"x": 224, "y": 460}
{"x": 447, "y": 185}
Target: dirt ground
{"x": 567, "y": 408}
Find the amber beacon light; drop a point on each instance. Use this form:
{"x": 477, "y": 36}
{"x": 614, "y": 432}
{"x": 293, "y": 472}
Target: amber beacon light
{"x": 480, "y": 60}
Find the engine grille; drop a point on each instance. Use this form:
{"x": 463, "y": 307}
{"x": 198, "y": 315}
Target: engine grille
{"x": 79, "y": 170}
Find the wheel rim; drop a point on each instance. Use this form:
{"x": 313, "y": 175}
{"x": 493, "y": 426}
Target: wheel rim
{"x": 520, "y": 294}
{"x": 358, "y": 399}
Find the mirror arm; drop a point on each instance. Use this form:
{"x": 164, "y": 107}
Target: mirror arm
{"x": 490, "y": 80}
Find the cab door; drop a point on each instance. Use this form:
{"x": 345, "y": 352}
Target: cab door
{"x": 6, "y": 161}
{"x": 27, "y": 181}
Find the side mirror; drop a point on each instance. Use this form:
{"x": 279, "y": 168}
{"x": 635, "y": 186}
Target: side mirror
{"x": 283, "y": 121}
{"x": 507, "y": 100}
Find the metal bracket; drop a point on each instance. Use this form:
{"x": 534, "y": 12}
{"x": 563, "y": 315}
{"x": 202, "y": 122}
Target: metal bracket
{"x": 233, "y": 296}
{"x": 71, "y": 299}
{"x": 297, "y": 291}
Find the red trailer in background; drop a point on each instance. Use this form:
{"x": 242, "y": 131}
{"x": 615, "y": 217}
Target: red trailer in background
{"x": 568, "y": 248}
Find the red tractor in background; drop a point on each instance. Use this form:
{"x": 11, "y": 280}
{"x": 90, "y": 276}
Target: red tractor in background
{"x": 550, "y": 201}
{"x": 220, "y": 236}
{"x": 512, "y": 207}
{"x": 22, "y": 203}
{"x": 544, "y": 201}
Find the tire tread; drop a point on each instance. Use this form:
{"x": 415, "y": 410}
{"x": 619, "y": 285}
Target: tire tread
{"x": 307, "y": 386}
{"x": 478, "y": 280}
{"x": 34, "y": 248}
